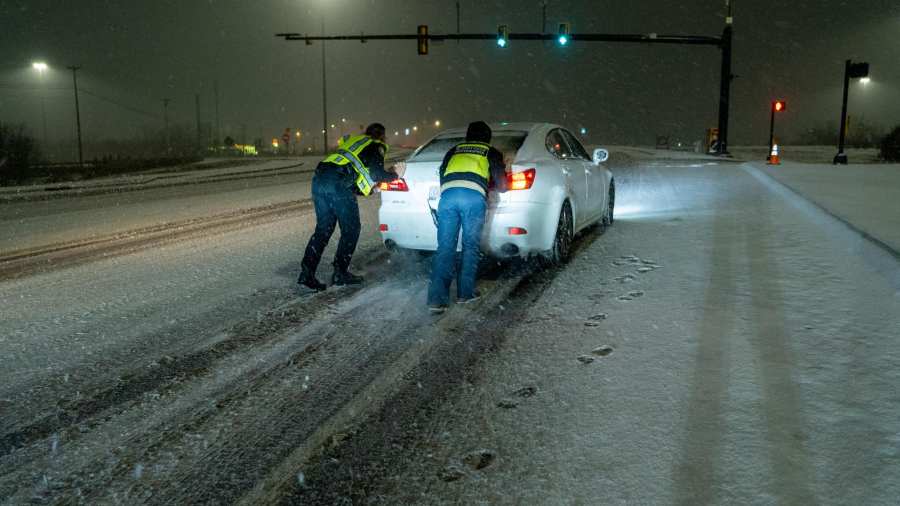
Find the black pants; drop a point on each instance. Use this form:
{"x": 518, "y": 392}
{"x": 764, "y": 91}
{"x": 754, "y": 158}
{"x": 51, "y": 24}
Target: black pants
{"x": 335, "y": 203}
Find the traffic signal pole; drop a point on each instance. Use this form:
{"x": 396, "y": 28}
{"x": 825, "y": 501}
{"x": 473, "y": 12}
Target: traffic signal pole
{"x": 422, "y": 37}
{"x": 772, "y": 131}
{"x": 725, "y": 90}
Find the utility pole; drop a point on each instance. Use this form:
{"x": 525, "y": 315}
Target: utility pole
{"x": 324, "y": 94}
{"x": 725, "y": 81}
{"x": 74, "y": 69}
{"x": 458, "y": 29}
{"x": 199, "y": 134}
{"x": 166, "y": 122}
{"x": 217, "y": 139}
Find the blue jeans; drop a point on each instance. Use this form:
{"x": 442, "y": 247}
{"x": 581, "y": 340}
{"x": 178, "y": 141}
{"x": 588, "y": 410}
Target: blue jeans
{"x": 459, "y": 207}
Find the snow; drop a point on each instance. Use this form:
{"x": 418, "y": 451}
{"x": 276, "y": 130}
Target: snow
{"x": 759, "y": 366}
{"x": 725, "y": 341}
{"x": 865, "y": 195}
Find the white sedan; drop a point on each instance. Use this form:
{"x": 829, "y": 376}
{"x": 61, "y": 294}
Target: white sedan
{"x": 555, "y": 190}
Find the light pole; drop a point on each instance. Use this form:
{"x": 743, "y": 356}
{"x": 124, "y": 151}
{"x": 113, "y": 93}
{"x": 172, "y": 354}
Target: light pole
{"x": 324, "y": 94}
{"x": 74, "y": 69}
{"x": 166, "y": 121}
{"x": 41, "y": 68}
{"x": 851, "y": 71}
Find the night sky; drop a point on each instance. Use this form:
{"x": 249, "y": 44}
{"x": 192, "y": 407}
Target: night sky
{"x": 136, "y": 52}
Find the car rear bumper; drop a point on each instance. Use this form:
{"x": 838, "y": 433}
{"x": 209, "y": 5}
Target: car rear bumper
{"x": 535, "y": 224}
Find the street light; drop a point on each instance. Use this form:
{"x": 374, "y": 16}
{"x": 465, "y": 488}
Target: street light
{"x": 437, "y": 123}
{"x": 858, "y": 70}
{"x": 865, "y": 80}
{"x": 42, "y": 67}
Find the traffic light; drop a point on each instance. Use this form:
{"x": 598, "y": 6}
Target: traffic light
{"x": 423, "y": 40}
{"x": 564, "y": 29}
{"x": 502, "y": 35}
{"x": 779, "y": 106}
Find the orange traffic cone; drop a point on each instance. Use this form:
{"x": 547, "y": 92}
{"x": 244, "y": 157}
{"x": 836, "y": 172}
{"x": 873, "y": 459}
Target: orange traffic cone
{"x": 773, "y": 158}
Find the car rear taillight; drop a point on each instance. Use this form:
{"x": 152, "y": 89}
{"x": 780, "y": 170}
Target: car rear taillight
{"x": 521, "y": 180}
{"x": 397, "y": 185}
{"x": 383, "y": 227}
{"x": 517, "y": 231}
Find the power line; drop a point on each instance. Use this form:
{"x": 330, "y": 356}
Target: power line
{"x": 120, "y": 104}
{"x": 135, "y": 110}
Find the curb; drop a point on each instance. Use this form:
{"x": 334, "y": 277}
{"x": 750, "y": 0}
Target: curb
{"x": 887, "y": 248}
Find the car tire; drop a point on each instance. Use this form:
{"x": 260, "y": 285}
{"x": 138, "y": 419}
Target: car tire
{"x": 562, "y": 242}
{"x": 609, "y": 215}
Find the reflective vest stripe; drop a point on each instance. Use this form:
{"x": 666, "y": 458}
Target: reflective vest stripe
{"x": 469, "y": 163}
{"x": 350, "y": 156}
{"x": 361, "y": 170}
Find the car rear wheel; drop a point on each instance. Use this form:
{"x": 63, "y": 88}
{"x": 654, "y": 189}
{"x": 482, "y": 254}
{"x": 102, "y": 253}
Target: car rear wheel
{"x": 562, "y": 243}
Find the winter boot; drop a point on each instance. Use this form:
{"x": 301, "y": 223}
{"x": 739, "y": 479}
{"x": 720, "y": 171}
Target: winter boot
{"x": 309, "y": 280}
{"x": 341, "y": 278}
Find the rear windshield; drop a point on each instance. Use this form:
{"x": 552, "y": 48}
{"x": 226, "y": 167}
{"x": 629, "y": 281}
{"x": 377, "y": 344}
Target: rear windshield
{"x": 507, "y": 143}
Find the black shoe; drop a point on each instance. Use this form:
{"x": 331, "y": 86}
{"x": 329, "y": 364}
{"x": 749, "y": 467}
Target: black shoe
{"x": 311, "y": 282}
{"x": 341, "y": 278}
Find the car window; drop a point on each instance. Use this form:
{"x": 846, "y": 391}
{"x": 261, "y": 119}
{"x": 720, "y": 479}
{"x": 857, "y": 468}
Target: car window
{"x": 557, "y": 146}
{"x": 576, "y": 146}
{"x": 507, "y": 143}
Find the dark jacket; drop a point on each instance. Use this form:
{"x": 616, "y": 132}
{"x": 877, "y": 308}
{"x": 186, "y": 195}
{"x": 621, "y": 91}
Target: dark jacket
{"x": 497, "y": 180}
{"x": 345, "y": 177}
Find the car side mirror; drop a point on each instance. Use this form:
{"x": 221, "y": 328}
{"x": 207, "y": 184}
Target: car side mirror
{"x": 600, "y": 155}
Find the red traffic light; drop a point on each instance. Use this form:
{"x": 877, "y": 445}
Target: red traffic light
{"x": 779, "y": 105}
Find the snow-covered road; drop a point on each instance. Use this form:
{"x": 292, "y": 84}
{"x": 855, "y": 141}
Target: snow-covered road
{"x": 754, "y": 360}
{"x": 726, "y": 342}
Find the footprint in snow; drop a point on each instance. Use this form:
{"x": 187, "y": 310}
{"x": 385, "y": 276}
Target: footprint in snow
{"x": 594, "y": 321}
{"x": 602, "y": 351}
{"x": 585, "y": 359}
{"x": 524, "y": 392}
{"x": 480, "y": 459}
{"x": 628, "y": 278}
{"x": 451, "y": 472}
{"x": 528, "y": 391}
{"x": 631, "y": 295}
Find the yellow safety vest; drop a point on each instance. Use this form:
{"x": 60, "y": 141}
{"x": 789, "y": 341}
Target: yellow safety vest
{"x": 349, "y": 149}
{"x": 469, "y": 167}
